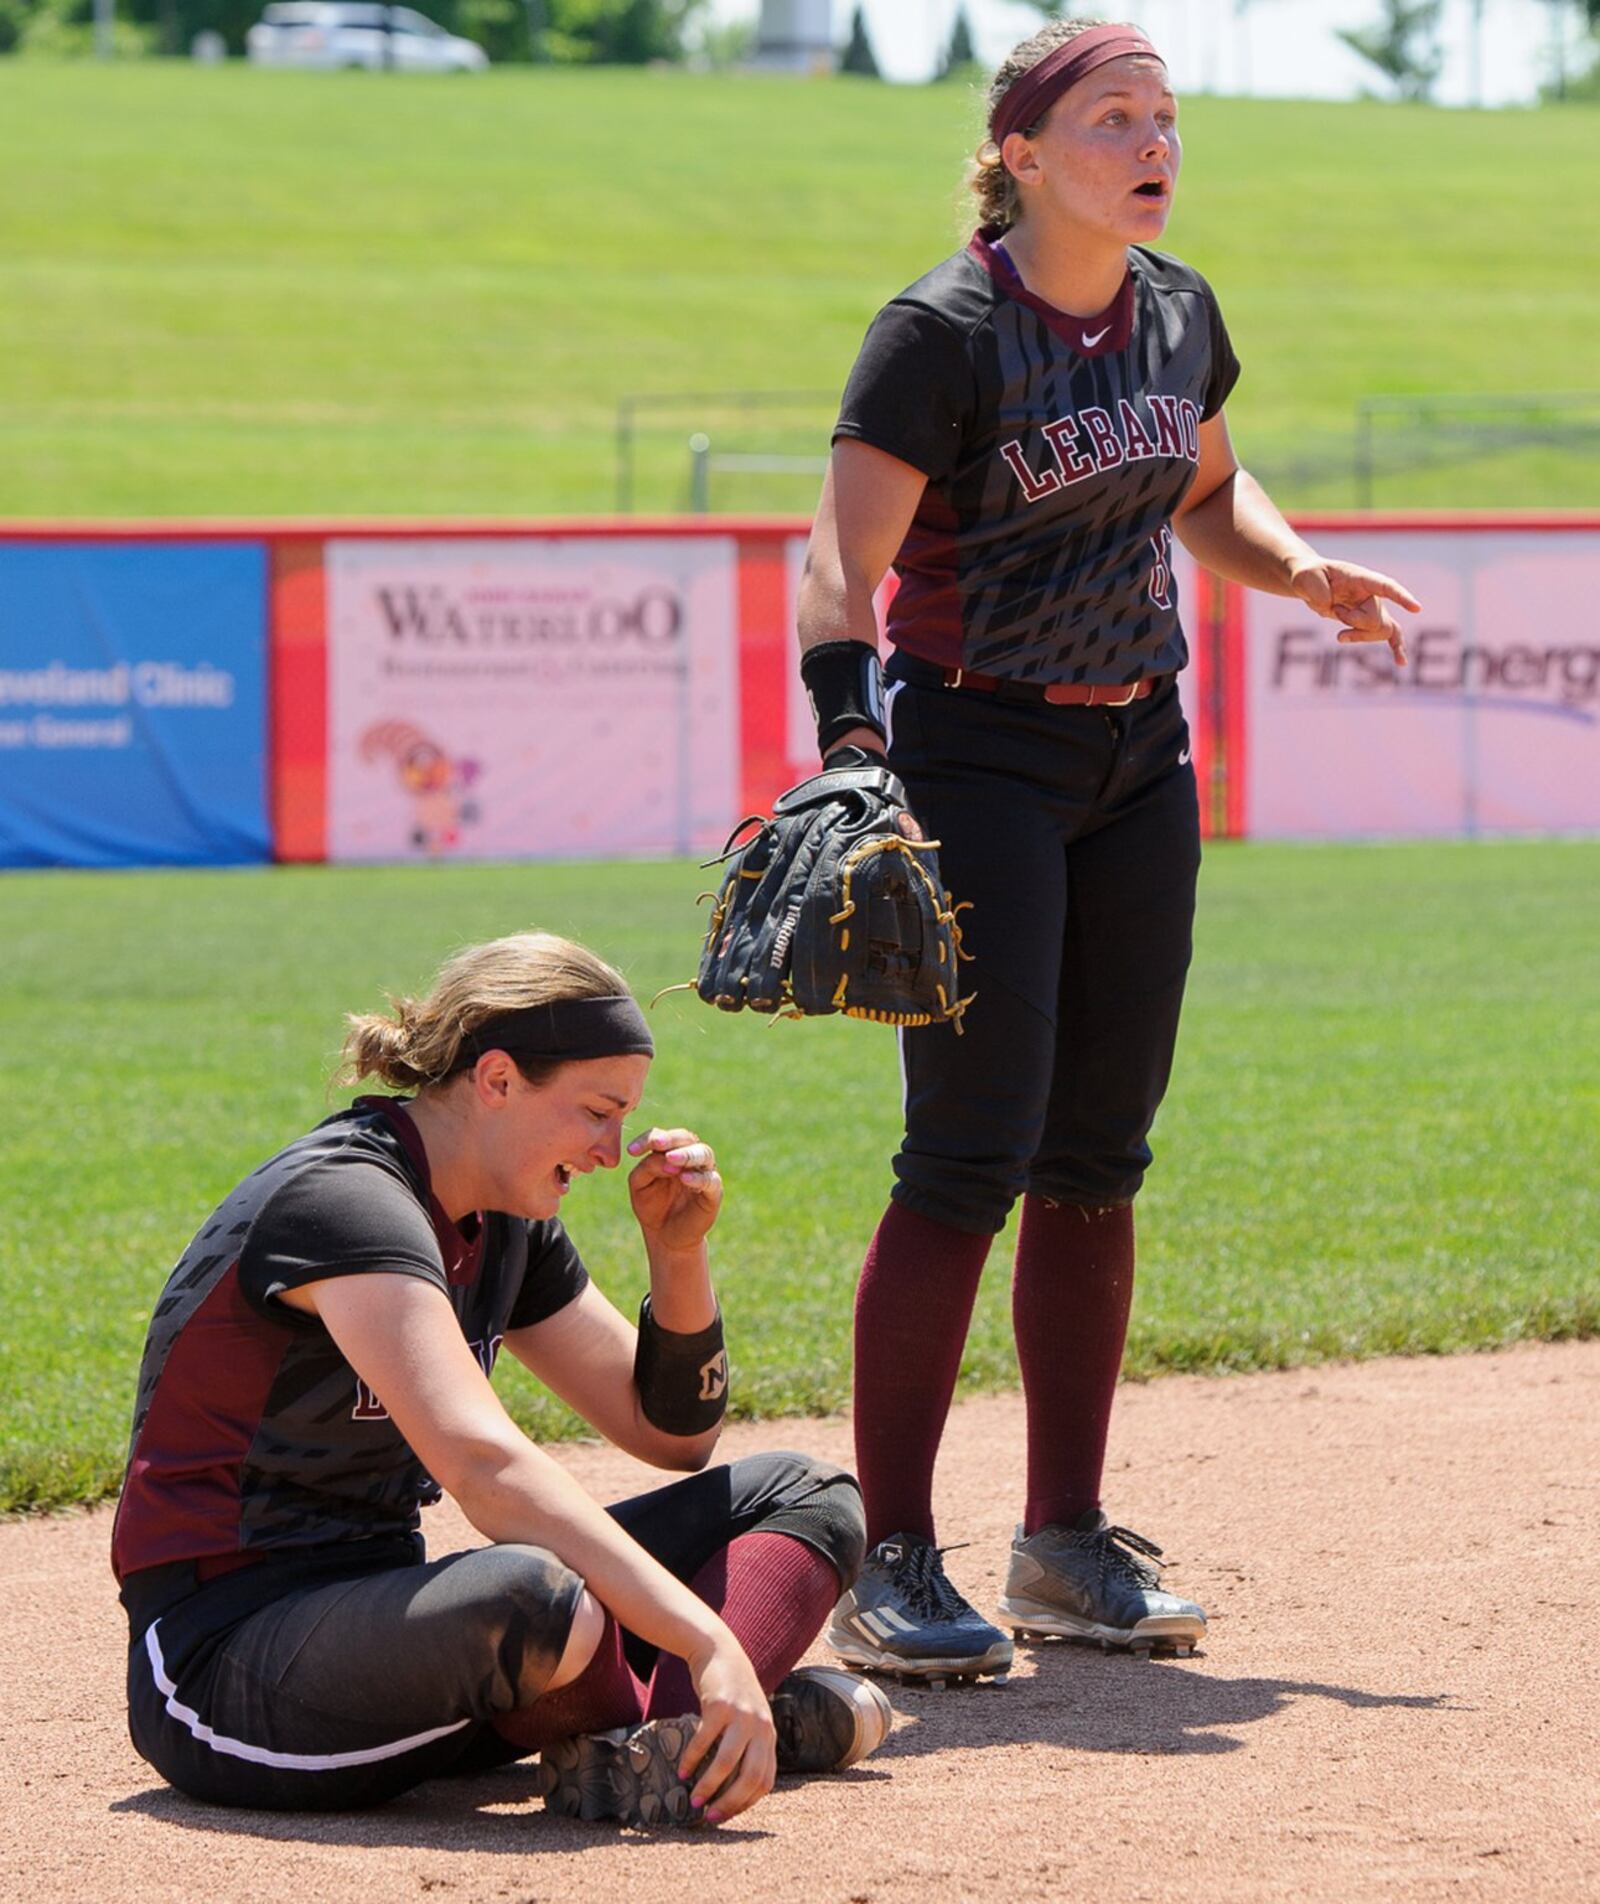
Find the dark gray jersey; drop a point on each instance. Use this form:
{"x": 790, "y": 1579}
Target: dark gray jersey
{"x": 1056, "y": 449}
{"x": 251, "y": 1431}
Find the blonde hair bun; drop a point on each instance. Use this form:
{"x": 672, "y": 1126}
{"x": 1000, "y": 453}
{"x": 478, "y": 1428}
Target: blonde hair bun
{"x": 418, "y": 1041}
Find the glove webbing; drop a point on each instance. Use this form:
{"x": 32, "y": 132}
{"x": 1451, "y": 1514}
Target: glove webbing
{"x": 946, "y": 914}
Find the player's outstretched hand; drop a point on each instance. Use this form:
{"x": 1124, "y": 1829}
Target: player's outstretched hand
{"x": 674, "y": 1187}
{"x": 733, "y": 1756}
{"x": 1345, "y": 592}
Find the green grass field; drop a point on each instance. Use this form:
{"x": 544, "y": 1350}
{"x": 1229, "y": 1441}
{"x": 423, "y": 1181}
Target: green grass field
{"x": 1384, "y": 1132}
{"x": 233, "y": 291}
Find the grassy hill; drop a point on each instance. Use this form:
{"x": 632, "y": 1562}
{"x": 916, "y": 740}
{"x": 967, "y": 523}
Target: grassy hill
{"x": 224, "y": 290}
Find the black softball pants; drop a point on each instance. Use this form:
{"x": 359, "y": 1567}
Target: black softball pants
{"x": 263, "y": 1689}
{"x": 1074, "y": 832}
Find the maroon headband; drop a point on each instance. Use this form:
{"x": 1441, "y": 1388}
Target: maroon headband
{"x": 1026, "y": 101}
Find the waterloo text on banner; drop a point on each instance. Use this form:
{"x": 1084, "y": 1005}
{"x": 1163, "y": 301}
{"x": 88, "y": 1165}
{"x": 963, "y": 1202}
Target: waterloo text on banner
{"x": 526, "y": 697}
{"x": 132, "y": 704}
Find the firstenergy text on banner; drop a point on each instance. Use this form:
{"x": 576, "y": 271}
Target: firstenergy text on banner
{"x": 1493, "y": 727}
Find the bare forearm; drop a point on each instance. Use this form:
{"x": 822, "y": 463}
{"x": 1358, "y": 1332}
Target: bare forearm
{"x": 517, "y": 1493}
{"x": 867, "y": 503}
{"x": 1239, "y": 534}
{"x": 835, "y": 605}
{"x": 681, "y": 1295}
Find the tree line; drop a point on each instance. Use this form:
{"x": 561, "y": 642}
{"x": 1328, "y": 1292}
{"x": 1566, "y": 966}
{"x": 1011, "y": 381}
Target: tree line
{"x": 1402, "y": 44}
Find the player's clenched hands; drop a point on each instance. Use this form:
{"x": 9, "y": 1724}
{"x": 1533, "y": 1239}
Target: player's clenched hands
{"x": 733, "y": 1755}
{"x": 1344, "y": 592}
{"x": 674, "y": 1187}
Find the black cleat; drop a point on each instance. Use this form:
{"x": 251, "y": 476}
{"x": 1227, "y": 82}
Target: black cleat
{"x": 628, "y": 1777}
{"x": 828, "y": 1719}
{"x": 904, "y": 1617}
{"x": 1099, "y": 1583}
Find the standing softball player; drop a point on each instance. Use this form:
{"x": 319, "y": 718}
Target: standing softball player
{"x": 1024, "y": 431}
{"x": 318, "y": 1368}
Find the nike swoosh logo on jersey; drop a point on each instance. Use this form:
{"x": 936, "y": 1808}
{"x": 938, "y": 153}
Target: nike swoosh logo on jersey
{"x": 1183, "y": 758}
{"x": 1090, "y": 342}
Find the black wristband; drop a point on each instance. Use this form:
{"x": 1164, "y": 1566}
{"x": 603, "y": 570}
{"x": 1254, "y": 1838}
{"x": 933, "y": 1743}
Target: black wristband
{"x": 682, "y": 1379}
{"x": 845, "y": 684}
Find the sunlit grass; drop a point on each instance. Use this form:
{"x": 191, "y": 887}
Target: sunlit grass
{"x": 1383, "y": 1133}
{"x": 224, "y": 290}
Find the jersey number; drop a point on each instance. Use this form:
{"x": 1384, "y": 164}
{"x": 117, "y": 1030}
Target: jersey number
{"x": 1161, "y": 571}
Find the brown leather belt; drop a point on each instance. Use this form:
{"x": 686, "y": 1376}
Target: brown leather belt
{"x": 1057, "y": 693}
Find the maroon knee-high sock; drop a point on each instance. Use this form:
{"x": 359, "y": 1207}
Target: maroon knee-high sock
{"x": 1069, "y": 1301}
{"x": 913, "y": 1309}
{"x": 774, "y": 1592}
{"x": 605, "y": 1694}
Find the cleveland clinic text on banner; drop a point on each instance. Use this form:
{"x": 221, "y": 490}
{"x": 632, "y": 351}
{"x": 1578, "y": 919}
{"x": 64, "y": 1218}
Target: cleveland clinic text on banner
{"x": 132, "y": 704}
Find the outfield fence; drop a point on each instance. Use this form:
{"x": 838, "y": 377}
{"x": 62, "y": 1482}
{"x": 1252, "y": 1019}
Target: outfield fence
{"x": 1397, "y": 436}
{"x": 222, "y": 693}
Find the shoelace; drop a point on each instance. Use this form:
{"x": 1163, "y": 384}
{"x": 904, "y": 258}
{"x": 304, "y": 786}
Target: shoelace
{"x": 1121, "y": 1551}
{"x": 921, "y": 1578}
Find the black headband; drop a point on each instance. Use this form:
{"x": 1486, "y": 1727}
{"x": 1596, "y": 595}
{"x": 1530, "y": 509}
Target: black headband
{"x": 565, "y": 1029}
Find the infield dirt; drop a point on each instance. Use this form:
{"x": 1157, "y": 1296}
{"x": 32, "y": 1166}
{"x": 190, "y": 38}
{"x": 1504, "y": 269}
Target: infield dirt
{"x": 1395, "y": 1700}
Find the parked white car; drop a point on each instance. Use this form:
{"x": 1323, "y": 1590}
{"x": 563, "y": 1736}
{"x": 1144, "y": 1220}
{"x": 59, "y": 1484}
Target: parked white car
{"x": 345, "y": 33}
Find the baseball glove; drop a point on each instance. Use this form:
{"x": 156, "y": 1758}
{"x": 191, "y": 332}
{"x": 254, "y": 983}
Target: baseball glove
{"x": 835, "y": 905}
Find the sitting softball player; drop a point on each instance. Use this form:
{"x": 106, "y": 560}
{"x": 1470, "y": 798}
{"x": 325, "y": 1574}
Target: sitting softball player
{"x": 318, "y": 1369}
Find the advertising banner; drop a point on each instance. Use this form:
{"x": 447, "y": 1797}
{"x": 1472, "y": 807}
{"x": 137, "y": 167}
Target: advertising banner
{"x": 1494, "y": 726}
{"x": 132, "y": 703}
{"x": 530, "y": 696}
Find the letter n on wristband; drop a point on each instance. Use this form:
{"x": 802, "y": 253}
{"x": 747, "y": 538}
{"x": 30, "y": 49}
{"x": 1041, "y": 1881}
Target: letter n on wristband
{"x": 682, "y": 1379}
